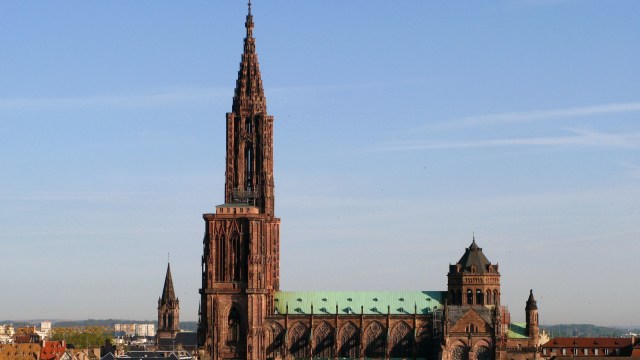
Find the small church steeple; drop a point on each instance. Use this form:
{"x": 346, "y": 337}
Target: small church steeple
{"x": 168, "y": 294}
{"x": 168, "y": 309}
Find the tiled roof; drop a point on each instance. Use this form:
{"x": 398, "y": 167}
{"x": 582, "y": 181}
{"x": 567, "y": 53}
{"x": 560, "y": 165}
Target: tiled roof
{"x": 518, "y": 331}
{"x": 601, "y": 342}
{"x": 19, "y": 351}
{"x": 355, "y": 302}
{"x": 473, "y": 256}
{"x": 52, "y": 350}
{"x": 184, "y": 338}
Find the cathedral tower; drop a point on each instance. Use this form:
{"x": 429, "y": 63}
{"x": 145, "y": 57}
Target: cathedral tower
{"x": 168, "y": 310}
{"x": 240, "y": 263}
{"x": 473, "y": 280}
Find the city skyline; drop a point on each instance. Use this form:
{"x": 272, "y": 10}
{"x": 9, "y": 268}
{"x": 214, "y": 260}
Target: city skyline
{"x": 400, "y": 131}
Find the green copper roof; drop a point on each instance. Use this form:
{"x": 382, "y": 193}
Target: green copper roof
{"x": 517, "y": 331}
{"x": 355, "y": 302}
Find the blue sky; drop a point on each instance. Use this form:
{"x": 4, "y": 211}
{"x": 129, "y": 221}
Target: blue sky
{"x": 401, "y": 129}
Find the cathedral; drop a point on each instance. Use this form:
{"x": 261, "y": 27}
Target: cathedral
{"x": 244, "y": 314}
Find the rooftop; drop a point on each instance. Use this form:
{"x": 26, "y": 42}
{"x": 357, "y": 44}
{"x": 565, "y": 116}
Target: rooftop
{"x": 518, "y": 331}
{"x": 356, "y": 302}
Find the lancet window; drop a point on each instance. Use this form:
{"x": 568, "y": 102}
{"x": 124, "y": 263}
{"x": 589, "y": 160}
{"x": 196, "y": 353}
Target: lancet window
{"x": 233, "y": 326}
{"x": 299, "y": 341}
{"x": 350, "y": 341}
{"x": 401, "y": 341}
{"x": 375, "y": 340}
{"x": 324, "y": 341}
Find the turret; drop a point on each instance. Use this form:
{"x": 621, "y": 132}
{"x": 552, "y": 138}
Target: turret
{"x": 531, "y": 311}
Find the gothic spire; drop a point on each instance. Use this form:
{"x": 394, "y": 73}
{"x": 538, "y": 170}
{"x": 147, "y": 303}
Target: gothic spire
{"x": 531, "y": 302}
{"x": 168, "y": 295}
{"x": 248, "y": 98}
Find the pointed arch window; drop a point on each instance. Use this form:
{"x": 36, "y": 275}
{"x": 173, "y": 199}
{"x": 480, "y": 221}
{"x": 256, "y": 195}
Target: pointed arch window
{"x": 401, "y": 341}
{"x": 375, "y": 341}
{"x": 248, "y": 166}
{"x": 221, "y": 252}
{"x": 324, "y": 341}
{"x": 233, "y": 326}
{"x": 275, "y": 340}
{"x": 248, "y": 125}
{"x": 350, "y": 341}
{"x": 299, "y": 340}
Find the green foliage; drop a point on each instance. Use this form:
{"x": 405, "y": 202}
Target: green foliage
{"x": 82, "y": 337}
{"x": 93, "y": 322}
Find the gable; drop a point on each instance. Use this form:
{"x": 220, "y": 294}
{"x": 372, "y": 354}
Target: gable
{"x": 471, "y": 317}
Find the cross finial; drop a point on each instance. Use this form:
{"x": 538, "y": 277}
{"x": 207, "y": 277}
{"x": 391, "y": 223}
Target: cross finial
{"x": 168, "y": 257}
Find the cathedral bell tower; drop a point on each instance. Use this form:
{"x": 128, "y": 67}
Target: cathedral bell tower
{"x": 240, "y": 262}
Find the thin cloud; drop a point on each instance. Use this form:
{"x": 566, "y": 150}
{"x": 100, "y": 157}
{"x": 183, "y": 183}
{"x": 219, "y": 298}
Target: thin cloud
{"x": 67, "y": 196}
{"x": 159, "y": 97}
{"x": 134, "y": 100}
{"x": 581, "y": 139}
{"x": 535, "y": 115}
{"x": 634, "y": 170}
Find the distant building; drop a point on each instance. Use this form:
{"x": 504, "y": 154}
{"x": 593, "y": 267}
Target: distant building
{"x": 6, "y": 334}
{"x": 145, "y": 330}
{"x": 126, "y": 329}
{"x": 45, "y": 326}
{"x": 26, "y": 334}
{"x": 45, "y": 330}
{"x": 168, "y": 310}
{"x": 8, "y": 330}
{"x": 561, "y": 348}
